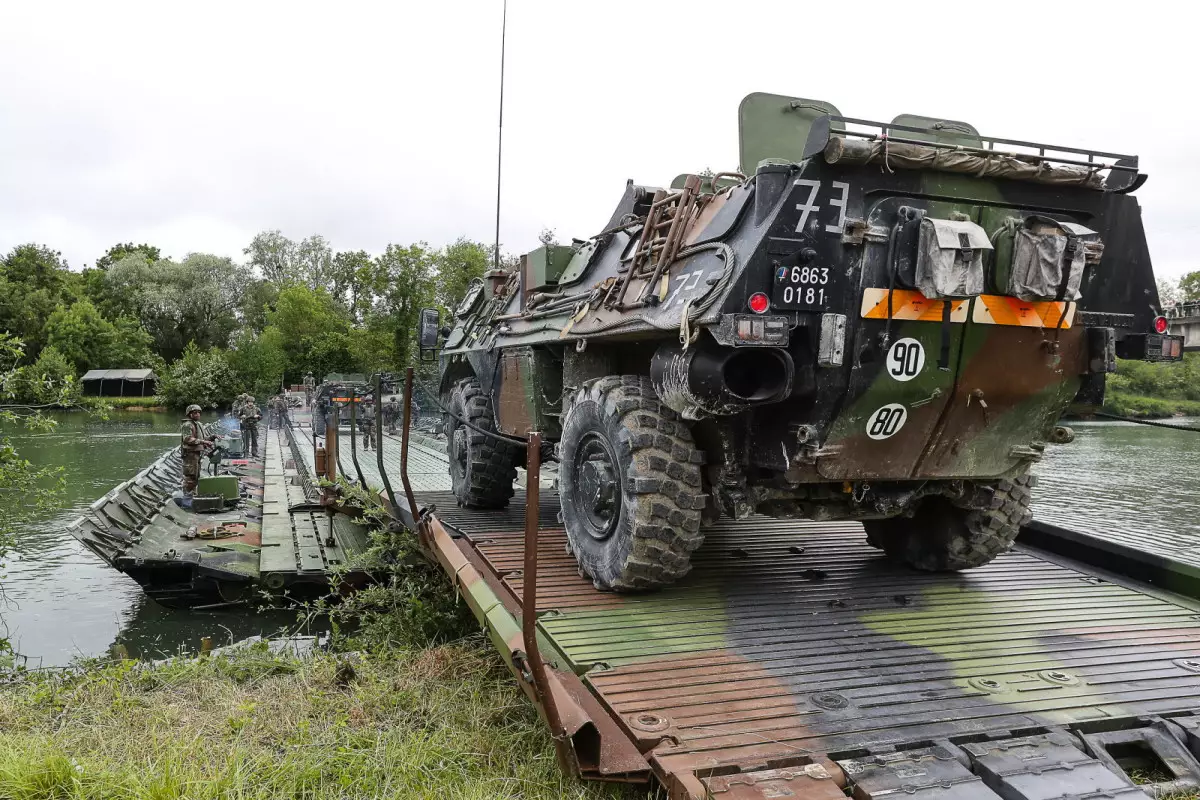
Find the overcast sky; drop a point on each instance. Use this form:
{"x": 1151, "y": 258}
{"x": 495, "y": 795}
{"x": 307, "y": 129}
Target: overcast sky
{"x": 194, "y": 126}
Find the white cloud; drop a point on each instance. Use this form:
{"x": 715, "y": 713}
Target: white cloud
{"x": 194, "y": 127}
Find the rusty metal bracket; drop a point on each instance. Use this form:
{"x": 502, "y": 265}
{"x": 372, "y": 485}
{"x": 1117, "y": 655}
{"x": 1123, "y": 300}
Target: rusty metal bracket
{"x": 533, "y": 654}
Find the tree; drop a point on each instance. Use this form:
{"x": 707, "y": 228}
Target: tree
{"x": 314, "y": 262}
{"x": 1189, "y": 287}
{"x": 260, "y": 360}
{"x": 120, "y": 251}
{"x": 258, "y": 299}
{"x": 34, "y": 280}
{"x": 457, "y": 265}
{"x": 89, "y": 341}
{"x": 203, "y": 377}
{"x": 301, "y": 312}
{"x": 407, "y": 274}
{"x": 275, "y": 256}
{"x": 48, "y": 381}
{"x": 195, "y": 300}
{"x": 357, "y": 281}
{"x": 1168, "y": 292}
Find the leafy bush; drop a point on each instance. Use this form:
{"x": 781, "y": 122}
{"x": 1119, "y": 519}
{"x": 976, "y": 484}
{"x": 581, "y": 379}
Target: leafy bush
{"x": 202, "y": 377}
{"x": 48, "y": 381}
{"x": 1170, "y": 381}
{"x": 1132, "y": 405}
{"x": 123, "y": 402}
{"x": 92, "y": 342}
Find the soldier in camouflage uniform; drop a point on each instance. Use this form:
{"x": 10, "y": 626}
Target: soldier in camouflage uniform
{"x": 248, "y": 419}
{"x": 366, "y": 421}
{"x": 281, "y": 404}
{"x": 392, "y": 415}
{"x": 310, "y": 386}
{"x": 194, "y": 441}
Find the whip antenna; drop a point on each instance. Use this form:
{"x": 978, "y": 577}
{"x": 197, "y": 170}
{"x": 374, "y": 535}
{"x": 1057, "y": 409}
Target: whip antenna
{"x": 500, "y": 133}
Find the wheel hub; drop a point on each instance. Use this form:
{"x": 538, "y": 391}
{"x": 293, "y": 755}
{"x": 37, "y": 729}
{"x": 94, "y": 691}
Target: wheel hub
{"x": 595, "y": 489}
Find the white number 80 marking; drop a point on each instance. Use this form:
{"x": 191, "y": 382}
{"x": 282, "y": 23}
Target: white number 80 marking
{"x": 886, "y": 421}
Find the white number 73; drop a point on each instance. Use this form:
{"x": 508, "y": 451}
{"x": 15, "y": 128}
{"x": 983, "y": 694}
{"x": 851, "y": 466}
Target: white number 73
{"x": 687, "y": 281}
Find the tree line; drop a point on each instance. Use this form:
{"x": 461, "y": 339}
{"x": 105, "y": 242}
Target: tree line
{"x": 211, "y": 326}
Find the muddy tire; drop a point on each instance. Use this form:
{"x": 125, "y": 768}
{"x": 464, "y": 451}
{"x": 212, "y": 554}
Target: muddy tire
{"x": 629, "y": 484}
{"x": 943, "y": 537}
{"x": 482, "y": 469}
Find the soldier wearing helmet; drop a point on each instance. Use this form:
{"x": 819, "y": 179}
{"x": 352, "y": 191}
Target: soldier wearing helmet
{"x": 248, "y": 417}
{"x": 194, "y": 441}
{"x": 310, "y": 385}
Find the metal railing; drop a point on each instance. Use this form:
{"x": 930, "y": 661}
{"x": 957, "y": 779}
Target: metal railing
{"x": 535, "y": 664}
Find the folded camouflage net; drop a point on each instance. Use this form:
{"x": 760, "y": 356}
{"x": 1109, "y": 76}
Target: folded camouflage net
{"x": 842, "y": 150}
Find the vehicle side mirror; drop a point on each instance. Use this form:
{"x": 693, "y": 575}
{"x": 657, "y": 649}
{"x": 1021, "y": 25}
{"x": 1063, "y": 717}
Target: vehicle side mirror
{"x": 428, "y": 331}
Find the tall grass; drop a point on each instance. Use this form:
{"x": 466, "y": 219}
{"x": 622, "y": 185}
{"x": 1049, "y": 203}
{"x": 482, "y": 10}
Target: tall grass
{"x": 442, "y": 722}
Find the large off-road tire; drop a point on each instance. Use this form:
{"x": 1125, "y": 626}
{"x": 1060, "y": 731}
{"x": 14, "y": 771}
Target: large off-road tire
{"x": 482, "y": 468}
{"x": 943, "y": 537}
{"x": 629, "y": 484}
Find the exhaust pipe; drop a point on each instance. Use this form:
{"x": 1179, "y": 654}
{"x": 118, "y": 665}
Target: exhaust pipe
{"x": 711, "y": 380}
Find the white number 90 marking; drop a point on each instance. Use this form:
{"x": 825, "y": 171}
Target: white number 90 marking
{"x": 905, "y": 359}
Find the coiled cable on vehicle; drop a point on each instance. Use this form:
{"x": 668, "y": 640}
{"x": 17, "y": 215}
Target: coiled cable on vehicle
{"x": 694, "y": 312}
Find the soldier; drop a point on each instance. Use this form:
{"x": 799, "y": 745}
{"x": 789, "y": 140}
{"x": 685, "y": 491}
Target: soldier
{"x": 248, "y": 418}
{"x": 366, "y": 421}
{"x": 240, "y": 402}
{"x": 310, "y": 385}
{"x": 393, "y": 414}
{"x": 281, "y": 410}
{"x": 194, "y": 440}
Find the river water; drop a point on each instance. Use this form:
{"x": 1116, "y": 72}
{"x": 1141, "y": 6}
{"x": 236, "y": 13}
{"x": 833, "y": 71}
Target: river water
{"x": 60, "y": 602}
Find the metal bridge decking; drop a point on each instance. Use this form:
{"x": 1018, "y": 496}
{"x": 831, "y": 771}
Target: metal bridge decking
{"x": 795, "y": 660}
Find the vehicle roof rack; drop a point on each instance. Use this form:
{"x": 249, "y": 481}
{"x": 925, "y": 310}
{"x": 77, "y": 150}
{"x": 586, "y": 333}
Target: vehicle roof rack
{"x": 1123, "y": 169}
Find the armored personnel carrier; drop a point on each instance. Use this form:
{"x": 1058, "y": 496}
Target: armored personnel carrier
{"x": 872, "y": 321}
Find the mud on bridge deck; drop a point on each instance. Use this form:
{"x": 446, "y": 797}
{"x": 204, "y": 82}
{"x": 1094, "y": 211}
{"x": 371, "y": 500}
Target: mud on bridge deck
{"x": 796, "y": 661}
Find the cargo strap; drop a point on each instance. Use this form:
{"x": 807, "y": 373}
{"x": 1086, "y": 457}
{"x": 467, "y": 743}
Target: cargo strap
{"x": 947, "y": 329}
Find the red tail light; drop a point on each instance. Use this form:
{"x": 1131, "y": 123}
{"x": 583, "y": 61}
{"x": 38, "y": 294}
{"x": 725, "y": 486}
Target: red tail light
{"x": 760, "y": 303}
{"x": 1161, "y": 324}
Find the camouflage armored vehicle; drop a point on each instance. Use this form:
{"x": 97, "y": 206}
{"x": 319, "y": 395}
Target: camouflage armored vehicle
{"x": 872, "y": 321}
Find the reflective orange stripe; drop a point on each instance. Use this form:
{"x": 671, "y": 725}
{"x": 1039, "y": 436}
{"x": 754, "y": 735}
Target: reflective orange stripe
{"x": 993, "y": 309}
{"x": 909, "y": 305}
{"x": 989, "y": 309}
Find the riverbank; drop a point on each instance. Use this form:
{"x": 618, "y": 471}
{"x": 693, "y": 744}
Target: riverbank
{"x": 445, "y": 721}
{"x": 1154, "y": 391}
{"x": 1144, "y": 407}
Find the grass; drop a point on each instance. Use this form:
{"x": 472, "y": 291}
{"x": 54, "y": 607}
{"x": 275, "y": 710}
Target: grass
{"x": 1142, "y": 776}
{"x": 1143, "y": 407}
{"x": 153, "y": 402}
{"x": 441, "y": 722}
{"x": 411, "y": 703}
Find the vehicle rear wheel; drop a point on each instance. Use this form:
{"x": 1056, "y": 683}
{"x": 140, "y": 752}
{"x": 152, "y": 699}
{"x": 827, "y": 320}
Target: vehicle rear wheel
{"x": 943, "y": 537}
{"x": 629, "y": 483}
{"x": 482, "y": 468}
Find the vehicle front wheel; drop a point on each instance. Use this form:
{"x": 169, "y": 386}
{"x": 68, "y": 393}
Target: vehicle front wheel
{"x": 629, "y": 484}
{"x": 943, "y": 537}
{"x": 482, "y": 467}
